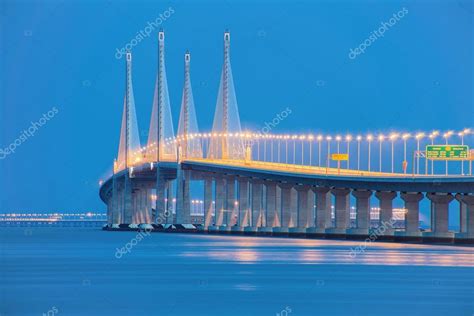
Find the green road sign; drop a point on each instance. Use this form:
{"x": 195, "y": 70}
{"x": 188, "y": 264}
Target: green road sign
{"x": 447, "y": 152}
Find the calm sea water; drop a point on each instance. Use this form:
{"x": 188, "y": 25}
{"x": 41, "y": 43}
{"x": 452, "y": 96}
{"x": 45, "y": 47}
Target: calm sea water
{"x": 80, "y": 272}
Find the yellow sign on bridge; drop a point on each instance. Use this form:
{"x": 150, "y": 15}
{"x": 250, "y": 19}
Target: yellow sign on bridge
{"x": 339, "y": 157}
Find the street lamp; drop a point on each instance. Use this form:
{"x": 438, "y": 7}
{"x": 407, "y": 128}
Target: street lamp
{"x": 432, "y": 137}
{"x": 393, "y": 137}
{"x": 328, "y": 138}
{"x": 338, "y": 141}
{"x": 461, "y": 134}
{"x": 418, "y": 137}
{"x": 359, "y": 138}
{"x": 381, "y": 138}
{"x": 405, "y": 163}
{"x": 320, "y": 138}
{"x": 446, "y": 136}
{"x": 369, "y": 139}
{"x": 286, "y": 146}
{"x": 294, "y": 148}
{"x": 302, "y": 138}
{"x": 348, "y": 140}
{"x": 310, "y": 138}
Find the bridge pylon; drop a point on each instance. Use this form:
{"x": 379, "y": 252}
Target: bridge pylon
{"x": 161, "y": 145}
{"x": 190, "y": 145}
{"x": 225, "y": 142}
{"x": 129, "y": 146}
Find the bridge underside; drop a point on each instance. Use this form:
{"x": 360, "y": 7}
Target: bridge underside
{"x": 253, "y": 199}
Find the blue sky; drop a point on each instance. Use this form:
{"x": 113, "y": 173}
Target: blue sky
{"x": 61, "y": 54}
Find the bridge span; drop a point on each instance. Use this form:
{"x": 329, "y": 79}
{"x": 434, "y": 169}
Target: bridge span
{"x": 261, "y": 183}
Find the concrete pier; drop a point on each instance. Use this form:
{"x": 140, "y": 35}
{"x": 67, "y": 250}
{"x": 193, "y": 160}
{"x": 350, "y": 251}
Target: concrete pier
{"x": 386, "y": 210}
{"x": 232, "y": 211}
{"x": 412, "y": 215}
{"x": 208, "y": 207}
{"x": 439, "y": 215}
{"x": 257, "y": 207}
{"x": 467, "y": 221}
{"x": 288, "y": 218}
{"x": 244, "y": 211}
{"x": 305, "y": 207}
{"x": 219, "y": 201}
{"x": 362, "y": 212}
{"x": 271, "y": 205}
{"x": 323, "y": 211}
{"x": 341, "y": 210}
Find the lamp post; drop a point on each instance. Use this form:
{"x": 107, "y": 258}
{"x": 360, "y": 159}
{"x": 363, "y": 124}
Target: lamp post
{"x": 338, "y": 141}
{"x": 302, "y": 138}
{"x": 393, "y": 138}
{"x": 286, "y": 145}
{"x": 328, "y": 138}
{"x": 461, "y": 134}
{"x": 320, "y": 138}
{"x": 359, "y": 138}
{"x": 381, "y": 138}
{"x": 446, "y": 136}
{"x": 405, "y": 163}
{"x": 369, "y": 139}
{"x": 310, "y": 138}
{"x": 348, "y": 140}
{"x": 279, "y": 141}
{"x": 418, "y": 137}
{"x": 294, "y": 148}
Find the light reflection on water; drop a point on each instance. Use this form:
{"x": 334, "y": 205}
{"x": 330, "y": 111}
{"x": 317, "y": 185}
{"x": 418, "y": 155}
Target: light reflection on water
{"x": 305, "y": 251}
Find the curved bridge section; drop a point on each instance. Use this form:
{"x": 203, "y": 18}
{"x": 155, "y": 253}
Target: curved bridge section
{"x": 276, "y": 199}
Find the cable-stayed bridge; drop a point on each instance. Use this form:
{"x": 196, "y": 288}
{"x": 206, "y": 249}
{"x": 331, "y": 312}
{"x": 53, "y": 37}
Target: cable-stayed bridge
{"x": 261, "y": 182}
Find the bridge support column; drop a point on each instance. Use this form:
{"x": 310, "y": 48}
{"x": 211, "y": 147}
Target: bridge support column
{"x": 183, "y": 203}
{"x": 169, "y": 205}
{"x": 341, "y": 210}
{"x": 467, "y": 221}
{"x": 462, "y": 213}
{"x": 115, "y": 218}
{"x": 220, "y": 196}
{"x": 147, "y": 200}
{"x": 362, "y": 212}
{"x": 244, "y": 212}
{"x": 412, "y": 214}
{"x": 271, "y": 205}
{"x": 208, "y": 208}
{"x": 136, "y": 206}
{"x": 257, "y": 207}
{"x": 127, "y": 200}
{"x": 323, "y": 211}
{"x": 439, "y": 215}
{"x": 386, "y": 211}
{"x": 288, "y": 208}
{"x": 160, "y": 214}
{"x": 231, "y": 207}
{"x": 305, "y": 207}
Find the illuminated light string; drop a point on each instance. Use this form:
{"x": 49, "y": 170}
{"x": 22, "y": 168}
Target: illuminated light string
{"x": 139, "y": 156}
